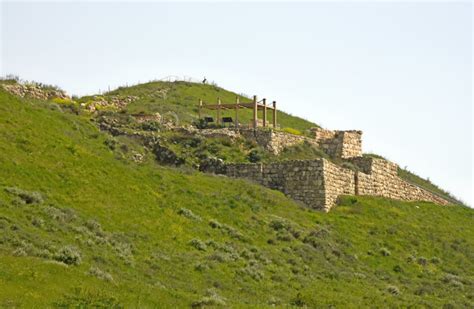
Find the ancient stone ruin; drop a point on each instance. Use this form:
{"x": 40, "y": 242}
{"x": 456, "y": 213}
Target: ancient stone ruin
{"x": 318, "y": 183}
{"x": 35, "y": 91}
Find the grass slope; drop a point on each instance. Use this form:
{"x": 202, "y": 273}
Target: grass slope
{"x": 102, "y": 231}
{"x": 183, "y": 98}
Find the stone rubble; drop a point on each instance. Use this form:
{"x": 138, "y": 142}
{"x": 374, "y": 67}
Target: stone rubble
{"x": 35, "y": 91}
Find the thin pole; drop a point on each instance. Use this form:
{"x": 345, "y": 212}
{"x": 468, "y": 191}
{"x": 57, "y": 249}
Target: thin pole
{"x": 237, "y": 101}
{"x": 255, "y": 106}
{"x": 219, "y": 111}
{"x": 200, "y": 108}
{"x": 274, "y": 114}
{"x": 264, "y": 112}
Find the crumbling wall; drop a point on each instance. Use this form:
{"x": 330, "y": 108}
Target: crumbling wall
{"x": 378, "y": 177}
{"x": 275, "y": 141}
{"x": 339, "y": 144}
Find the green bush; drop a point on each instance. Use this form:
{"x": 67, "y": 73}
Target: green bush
{"x": 385, "y": 252}
{"x": 150, "y": 126}
{"x": 188, "y": 214}
{"x": 28, "y": 197}
{"x": 254, "y": 156}
{"x": 198, "y": 244}
{"x": 68, "y": 255}
{"x": 100, "y": 274}
{"x": 393, "y": 290}
{"x": 210, "y": 299}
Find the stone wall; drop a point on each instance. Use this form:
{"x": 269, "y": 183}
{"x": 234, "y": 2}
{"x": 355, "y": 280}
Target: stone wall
{"x": 337, "y": 181}
{"x": 300, "y": 180}
{"x": 379, "y": 177}
{"x": 315, "y": 183}
{"x": 339, "y": 144}
{"x": 275, "y": 141}
{"x": 318, "y": 183}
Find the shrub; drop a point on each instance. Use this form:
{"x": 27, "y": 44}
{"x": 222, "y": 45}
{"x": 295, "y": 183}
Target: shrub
{"x": 279, "y": 224}
{"x": 201, "y": 267}
{"x": 393, "y": 290}
{"x": 188, "y": 214}
{"x": 28, "y": 197}
{"x": 215, "y": 224}
{"x": 211, "y": 298}
{"x": 435, "y": 260}
{"x": 284, "y": 236}
{"x": 385, "y": 252}
{"x": 60, "y": 215}
{"x": 102, "y": 275}
{"x": 68, "y": 255}
{"x": 95, "y": 227}
{"x": 252, "y": 271}
{"x": 38, "y": 222}
{"x": 20, "y": 252}
{"x": 198, "y": 244}
{"x": 111, "y": 143}
{"x": 150, "y": 126}
{"x": 254, "y": 156}
{"x": 422, "y": 261}
{"x": 233, "y": 232}
{"x": 298, "y": 301}
{"x": 453, "y": 280}
{"x": 200, "y": 123}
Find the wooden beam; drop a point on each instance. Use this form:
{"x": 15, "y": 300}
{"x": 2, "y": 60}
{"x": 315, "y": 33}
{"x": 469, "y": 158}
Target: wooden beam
{"x": 264, "y": 112}
{"x": 237, "y": 101}
{"x": 200, "y": 108}
{"x": 274, "y": 115}
{"x": 232, "y": 106}
{"x": 255, "y": 115}
{"x": 218, "y": 111}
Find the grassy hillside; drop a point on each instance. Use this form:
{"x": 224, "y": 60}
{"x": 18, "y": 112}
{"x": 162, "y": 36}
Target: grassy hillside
{"x": 82, "y": 225}
{"x": 183, "y": 98}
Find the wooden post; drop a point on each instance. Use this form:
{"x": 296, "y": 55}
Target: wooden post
{"x": 237, "y": 101}
{"x": 274, "y": 114}
{"x": 200, "y": 108}
{"x": 264, "y": 112}
{"x": 255, "y": 108}
{"x": 219, "y": 111}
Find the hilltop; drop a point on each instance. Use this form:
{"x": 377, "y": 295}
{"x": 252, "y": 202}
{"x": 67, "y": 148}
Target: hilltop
{"x": 89, "y": 218}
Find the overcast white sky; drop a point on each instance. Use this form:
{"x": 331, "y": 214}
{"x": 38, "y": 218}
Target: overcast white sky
{"x": 399, "y": 71}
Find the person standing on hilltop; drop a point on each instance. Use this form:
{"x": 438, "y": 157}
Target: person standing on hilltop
{"x": 204, "y": 81}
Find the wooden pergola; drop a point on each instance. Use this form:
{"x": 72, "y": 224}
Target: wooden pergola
{"x": 255, "y": 105}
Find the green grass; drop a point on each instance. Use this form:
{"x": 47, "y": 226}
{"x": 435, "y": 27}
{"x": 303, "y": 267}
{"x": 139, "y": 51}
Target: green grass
{"x": 150, "y": 236}
{"x": 182, "y": 98}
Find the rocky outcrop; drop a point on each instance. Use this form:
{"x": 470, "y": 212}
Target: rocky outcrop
{"x": 116, "y": 102}
{"x": 166, "y": 156}
{"x": 35, "y": 91}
